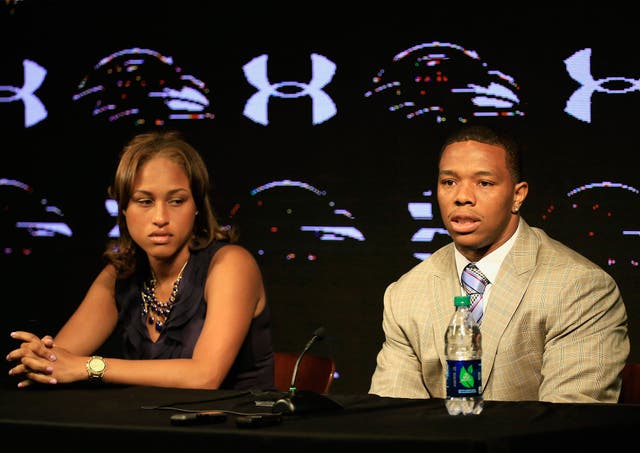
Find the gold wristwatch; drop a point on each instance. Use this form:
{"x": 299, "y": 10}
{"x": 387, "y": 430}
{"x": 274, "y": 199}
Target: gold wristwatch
{"x": 96, "y": 366}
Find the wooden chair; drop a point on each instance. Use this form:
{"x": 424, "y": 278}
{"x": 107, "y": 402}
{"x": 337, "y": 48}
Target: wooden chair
{"x": 630, "y": 384}
{"x": 315, "y": 372}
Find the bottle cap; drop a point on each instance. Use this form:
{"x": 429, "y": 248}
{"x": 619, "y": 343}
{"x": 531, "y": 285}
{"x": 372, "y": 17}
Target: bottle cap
{"x": 461, "y": 301}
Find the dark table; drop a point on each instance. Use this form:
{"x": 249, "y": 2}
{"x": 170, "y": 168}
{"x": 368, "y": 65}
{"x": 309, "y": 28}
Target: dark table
{"x": 115, "y": 417}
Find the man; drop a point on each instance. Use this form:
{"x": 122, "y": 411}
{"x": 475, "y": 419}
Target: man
{"x": 554, "y": 325}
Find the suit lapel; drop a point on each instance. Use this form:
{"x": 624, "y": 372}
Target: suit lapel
{"x": 512, "y": 280}
{"x": 445, "y": 286}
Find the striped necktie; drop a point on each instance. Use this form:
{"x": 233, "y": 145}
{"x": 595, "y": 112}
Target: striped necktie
{"x": 474, "y": 283}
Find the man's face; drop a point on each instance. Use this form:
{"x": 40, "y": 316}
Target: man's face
{"x": 476, "y": 195}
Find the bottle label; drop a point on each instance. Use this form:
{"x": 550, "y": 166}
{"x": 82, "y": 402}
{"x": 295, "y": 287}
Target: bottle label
{"x": 464, "y": 378}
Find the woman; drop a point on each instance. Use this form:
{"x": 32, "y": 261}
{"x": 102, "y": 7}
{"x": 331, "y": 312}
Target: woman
{"x": 188, "y": 304}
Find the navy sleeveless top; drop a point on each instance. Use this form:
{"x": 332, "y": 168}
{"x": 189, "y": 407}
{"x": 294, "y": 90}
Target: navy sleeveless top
{"x": 253, "y": 367}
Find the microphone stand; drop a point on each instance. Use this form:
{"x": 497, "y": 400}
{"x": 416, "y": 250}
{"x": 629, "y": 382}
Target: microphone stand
{"x": 304, "y": 401}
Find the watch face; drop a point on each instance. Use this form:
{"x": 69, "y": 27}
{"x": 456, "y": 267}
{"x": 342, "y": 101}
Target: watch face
{"x": 97, "y": 365}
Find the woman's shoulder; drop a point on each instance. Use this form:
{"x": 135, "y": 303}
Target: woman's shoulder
{"x": 219, "y": 251}
{"x": 234, "y": 252}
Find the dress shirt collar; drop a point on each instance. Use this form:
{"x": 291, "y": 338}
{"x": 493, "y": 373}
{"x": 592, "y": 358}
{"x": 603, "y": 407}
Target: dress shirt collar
{"x": 490, "y": 264}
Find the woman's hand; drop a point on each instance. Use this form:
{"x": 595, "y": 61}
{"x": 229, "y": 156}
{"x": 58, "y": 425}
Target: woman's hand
{"x": 40, "y": 360}
{"x": 35, "y": 358}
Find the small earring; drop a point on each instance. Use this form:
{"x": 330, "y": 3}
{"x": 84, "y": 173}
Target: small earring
{"x": 197, "y": 212}
{"x": 516, "y": 208}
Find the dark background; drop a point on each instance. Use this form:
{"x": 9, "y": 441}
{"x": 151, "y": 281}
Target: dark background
{"x": 365, "y": 159}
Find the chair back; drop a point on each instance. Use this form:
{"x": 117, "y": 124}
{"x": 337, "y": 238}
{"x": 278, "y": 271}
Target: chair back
{"x": 315, "y": 372}
{"x": 630, "y": 392}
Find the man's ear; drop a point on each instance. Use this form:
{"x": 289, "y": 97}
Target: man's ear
{"x": 520, "y": 192}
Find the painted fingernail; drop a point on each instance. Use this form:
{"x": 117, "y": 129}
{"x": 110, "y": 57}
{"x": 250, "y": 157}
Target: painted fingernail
{"x": 49, "y": 369}
{"x": 53, "y": 358}
{"x": 53, "y": 381}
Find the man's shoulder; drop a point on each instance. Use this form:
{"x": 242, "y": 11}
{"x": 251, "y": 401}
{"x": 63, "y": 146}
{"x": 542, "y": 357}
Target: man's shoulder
{"x": 556, "y": 253}
{"x": 438, "y": 262}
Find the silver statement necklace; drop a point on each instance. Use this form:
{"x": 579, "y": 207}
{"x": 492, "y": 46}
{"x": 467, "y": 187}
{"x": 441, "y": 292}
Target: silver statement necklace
{"x": 155, "y": 312}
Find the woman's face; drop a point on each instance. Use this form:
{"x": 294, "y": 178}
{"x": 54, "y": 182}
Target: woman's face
{"x": 161, "y": 212}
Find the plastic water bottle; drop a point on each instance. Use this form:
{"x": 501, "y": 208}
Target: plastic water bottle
{"x": 463, "y": 350}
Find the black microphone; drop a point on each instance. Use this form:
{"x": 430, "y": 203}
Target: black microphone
{"x": 318, "y": 335}
{"x": 304, "y": 401}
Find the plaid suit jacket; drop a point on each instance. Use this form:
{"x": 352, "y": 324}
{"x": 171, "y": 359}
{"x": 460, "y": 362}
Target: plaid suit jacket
{"x": 554, "y": 329}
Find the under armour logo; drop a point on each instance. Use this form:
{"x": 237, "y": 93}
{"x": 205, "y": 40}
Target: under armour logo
{"x": 579, "y": 68}
{"x": 257, "y": 107}
{"x": 34, "y": 110}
